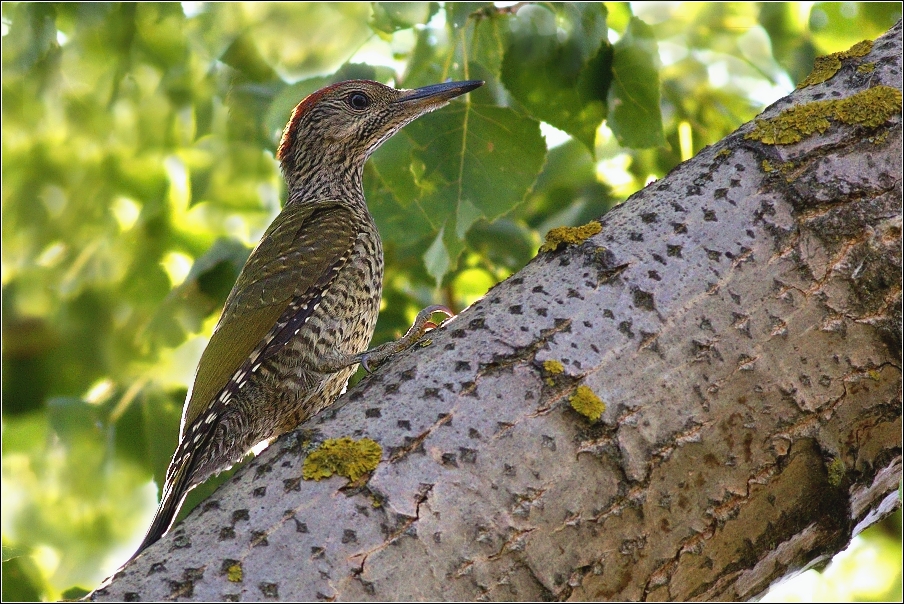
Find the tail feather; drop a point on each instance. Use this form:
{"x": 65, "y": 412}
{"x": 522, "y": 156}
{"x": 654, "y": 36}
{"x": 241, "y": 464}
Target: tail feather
{"x": 178, "y": 484}
{"x": 190, "y": 466}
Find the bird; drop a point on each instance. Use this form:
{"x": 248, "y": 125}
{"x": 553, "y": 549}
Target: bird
{"x": 303, "y": 309}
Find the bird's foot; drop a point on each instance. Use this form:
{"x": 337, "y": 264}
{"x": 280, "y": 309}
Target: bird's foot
{"x": 373, "y": 358}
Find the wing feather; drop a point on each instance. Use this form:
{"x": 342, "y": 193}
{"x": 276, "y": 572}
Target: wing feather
{"x": 296, "y": 260}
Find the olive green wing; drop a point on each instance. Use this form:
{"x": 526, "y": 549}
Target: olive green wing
{"x": 295, "y": 262}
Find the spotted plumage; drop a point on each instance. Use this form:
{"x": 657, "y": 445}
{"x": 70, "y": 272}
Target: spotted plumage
{"x": 304, "y": 307}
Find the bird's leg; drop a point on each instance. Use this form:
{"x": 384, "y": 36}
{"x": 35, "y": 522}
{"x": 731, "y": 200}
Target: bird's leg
{"x": 370, "y": 359}
{"x": 422, "y": 324}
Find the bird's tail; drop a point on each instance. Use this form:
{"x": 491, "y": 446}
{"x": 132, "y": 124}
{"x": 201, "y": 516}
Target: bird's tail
{"x": 178, "y": 484}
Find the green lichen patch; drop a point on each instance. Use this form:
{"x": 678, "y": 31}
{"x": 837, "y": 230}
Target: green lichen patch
{"x": 569, "y": 235}
{"x": 342, "y": 456}
{"x": 869, "y": 108}
{"x": 866, "y": 68}
{"x": 587, "y": 403}
{"x": 836, "y": 472}
{"x": 826, "y": 67}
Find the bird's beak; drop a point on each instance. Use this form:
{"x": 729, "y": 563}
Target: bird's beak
{"x": 436, "y": 95}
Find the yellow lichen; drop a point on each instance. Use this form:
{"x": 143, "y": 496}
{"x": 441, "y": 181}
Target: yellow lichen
{"x": 870, "y": 108}
{"x": 569, "y": 235}
{"x": 879, "y": 138}
{"x": 234, "y": 573}
{"x": 860, "y": 49}
{"x": 342, "y": 456}
{"x": 866, "y": 68}
{"x": 587, "y": 403}
{"x": 783, "y": 167}
{"x": 553, "y": 367}
{"x": 825, "y": 67}
{"x": 723, "y": 153}
{"x": 791, "y": 125}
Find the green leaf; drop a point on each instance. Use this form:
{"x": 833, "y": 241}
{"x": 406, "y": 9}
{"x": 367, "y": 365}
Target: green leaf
{"x": 488, "y": 41}
{"x": 160, "y": 29}
{"x": 392, "y": 162}
{"x": 21, "y": 579}
{"x": 457, "y": 13}
{"x": 437, "y": 259}
{"x": 390, "y": 17}
{"x": 75, "y": 593}
{"x": 504, "y": 242}
{"x": 634, "y": 114}
{"x": 244, "y": 56}
{"x": 72, "y": 418}
{"x": 561, "y": 74}
{"x": 400, "y": 224}
{"x": 32, "y": 36}
{"x": 470, "y": 162}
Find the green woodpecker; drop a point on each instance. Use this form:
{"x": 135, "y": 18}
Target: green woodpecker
{"x": 303, "y": 310}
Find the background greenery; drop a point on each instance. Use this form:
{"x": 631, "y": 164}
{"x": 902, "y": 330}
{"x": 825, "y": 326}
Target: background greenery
{"x": 138, "y": 170}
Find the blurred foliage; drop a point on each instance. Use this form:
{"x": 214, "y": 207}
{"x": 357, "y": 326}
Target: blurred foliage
{"x": 138, "y": 171}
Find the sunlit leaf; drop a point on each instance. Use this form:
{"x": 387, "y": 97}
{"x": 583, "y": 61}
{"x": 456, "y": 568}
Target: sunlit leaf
{"x": 561, "y": 76}
{"x": 437, "y": 258}
{"x": 634, "y": 113}
{"x": 839, "y": 25}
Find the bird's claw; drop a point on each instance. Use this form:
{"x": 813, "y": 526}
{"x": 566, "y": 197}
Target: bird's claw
{"x": 431, "y": 310}
{"x": 422, "y": 324}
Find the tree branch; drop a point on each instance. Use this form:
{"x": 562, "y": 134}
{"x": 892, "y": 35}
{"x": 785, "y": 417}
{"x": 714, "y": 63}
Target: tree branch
{"x": 741, "y": 321}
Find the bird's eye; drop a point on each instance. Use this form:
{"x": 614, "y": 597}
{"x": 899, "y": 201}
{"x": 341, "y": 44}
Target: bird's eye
{"x": 358, "y": 100}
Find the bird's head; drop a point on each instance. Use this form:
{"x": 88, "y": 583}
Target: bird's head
{"x": 338, "y": 127}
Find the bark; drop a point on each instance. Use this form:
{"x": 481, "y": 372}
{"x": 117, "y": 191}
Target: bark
{"x": 741, "y": 320}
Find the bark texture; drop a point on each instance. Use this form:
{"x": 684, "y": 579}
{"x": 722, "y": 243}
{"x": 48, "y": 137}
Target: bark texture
{"x": 741, "y": 321}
